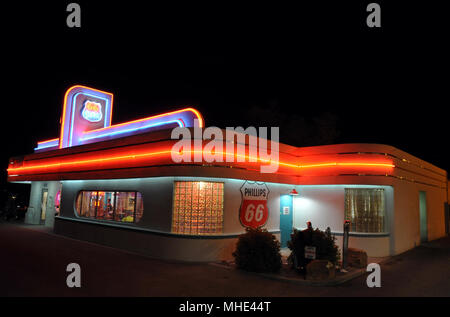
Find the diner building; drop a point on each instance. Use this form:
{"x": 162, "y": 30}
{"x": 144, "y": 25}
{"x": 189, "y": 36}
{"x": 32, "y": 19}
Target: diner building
{"x": 118, "y": 185}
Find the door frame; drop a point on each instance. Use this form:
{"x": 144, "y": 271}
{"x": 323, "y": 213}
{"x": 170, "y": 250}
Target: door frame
{"x": 42, "y": 221}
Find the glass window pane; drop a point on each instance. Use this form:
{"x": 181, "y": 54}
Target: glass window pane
{"x": 105, "y": 207}
{"x": 139, "y": 207}
{"x": 197, "y": 208}
{"x": 108, "y": 205}
{"x": 365, "y": 209}
{"x": 78, "y": 203}
{"x": 88, "y": 204}
{"x": 125, "y": 206}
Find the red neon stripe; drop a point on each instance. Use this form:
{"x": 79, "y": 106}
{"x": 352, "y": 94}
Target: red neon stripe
{"x": 115, "y": 158}
{"x": 246, "y": 157}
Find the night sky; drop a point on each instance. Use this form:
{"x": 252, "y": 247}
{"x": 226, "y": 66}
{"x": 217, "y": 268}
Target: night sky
{"x": 312, "y": 67}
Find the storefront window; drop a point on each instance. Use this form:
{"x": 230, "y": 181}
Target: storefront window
{"x": 126, "y": 202}
{"x": 114, "y": 206}
{"x": 197, "y": 208}
{"x": 86, "y": 204}
{"x": 365, "y": 208}
{"x": 139, "y": 206}
{"x": 106, "y": 203}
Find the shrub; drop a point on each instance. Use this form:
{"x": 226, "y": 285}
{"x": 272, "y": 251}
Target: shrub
{"x": 326, "y": 248}
{"x": 258, "y": 251}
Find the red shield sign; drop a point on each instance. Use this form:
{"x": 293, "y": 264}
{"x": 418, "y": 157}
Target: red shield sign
{"x": 254, "y": 212}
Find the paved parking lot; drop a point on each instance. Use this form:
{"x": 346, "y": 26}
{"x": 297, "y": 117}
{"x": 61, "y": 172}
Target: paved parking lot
{"x": 33, "y": 263}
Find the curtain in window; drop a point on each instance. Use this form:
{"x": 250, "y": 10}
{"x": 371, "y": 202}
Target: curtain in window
{"x": 365, "y": 208}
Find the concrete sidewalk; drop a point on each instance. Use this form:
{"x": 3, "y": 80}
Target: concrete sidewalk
{"x": 34, "y": 263}
{"x": 288, "y": 275}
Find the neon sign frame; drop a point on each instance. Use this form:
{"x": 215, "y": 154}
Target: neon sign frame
{"x": 68, "y": 137}
{"x": 67, "y": 121}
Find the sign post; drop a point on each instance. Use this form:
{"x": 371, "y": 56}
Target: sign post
{"x": 345, "y": 243}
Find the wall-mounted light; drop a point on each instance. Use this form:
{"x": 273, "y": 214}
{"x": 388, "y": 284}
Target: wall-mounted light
{"x": 293, "y": 192}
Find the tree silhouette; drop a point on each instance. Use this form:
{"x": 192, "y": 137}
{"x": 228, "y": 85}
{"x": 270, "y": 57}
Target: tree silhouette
{"x": 296, "y": 130}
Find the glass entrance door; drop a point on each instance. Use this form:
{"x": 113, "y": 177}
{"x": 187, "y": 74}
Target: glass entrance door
{"x": 286, "y": 223}
{"x": 423, "y": 217}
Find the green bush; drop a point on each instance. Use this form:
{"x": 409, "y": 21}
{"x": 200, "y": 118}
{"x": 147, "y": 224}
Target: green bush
{"x": 326, "y": 248}
{"x": 258, "y": 251}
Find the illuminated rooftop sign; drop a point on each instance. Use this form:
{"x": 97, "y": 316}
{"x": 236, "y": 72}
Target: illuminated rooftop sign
{"x": 92, "y": 111}
{"x": 86, "y": 118}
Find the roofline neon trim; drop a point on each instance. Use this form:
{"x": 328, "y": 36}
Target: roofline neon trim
{"x": 47, "y": 141}
{"x": 133, "y": 156}
{"x": 47, "y": 144}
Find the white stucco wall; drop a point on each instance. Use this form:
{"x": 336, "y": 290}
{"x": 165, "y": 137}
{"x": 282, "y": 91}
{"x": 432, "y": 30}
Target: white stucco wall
{"x": 33, "y": 215}
{"x": 407, "y": 214}
{"x": 324, "y": 206}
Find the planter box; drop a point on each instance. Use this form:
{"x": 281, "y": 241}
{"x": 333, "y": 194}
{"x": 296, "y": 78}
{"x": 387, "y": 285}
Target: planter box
{"x": 357, "y": 258}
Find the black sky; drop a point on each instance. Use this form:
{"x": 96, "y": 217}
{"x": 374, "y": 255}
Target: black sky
{"x": 384, "y": 86}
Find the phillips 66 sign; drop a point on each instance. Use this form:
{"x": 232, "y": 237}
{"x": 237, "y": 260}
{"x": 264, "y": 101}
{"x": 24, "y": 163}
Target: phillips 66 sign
{"x": 254, "y": 211}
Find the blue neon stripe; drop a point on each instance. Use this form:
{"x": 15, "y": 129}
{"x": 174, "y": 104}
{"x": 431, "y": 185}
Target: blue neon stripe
{"x": 47, "y": 145}
{"x": 132, "y": 129}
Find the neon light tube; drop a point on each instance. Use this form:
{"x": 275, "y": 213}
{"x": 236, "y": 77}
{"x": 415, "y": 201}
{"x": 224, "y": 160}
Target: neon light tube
{"x": 115, "y": 158}
{"x": 47, "y": 144}
{"x": 47, "y": 141}
{"x": 106, "y": 134}
{"x": 167, "y": 114}
{"x": 247, "y": 157}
